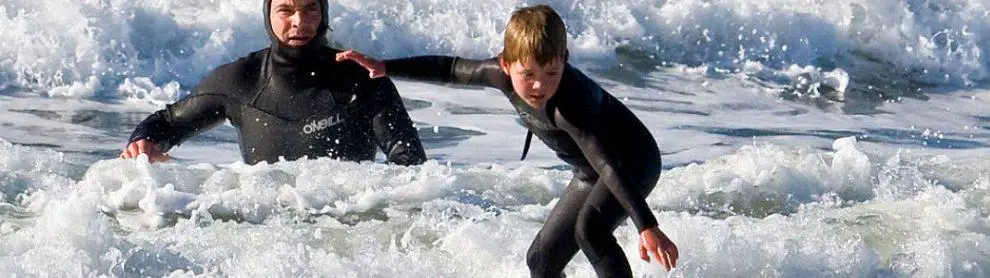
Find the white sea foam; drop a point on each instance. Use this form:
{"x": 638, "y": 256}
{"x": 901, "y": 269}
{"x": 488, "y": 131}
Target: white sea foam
{"x": 838, "y": 212}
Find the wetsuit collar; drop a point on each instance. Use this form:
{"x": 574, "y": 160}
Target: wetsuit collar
{"x": 314, "y": 50}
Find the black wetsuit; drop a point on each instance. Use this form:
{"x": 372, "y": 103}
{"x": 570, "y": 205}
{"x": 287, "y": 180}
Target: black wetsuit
{"x": 293, "y": 103}
{"x": 615, "y": 159}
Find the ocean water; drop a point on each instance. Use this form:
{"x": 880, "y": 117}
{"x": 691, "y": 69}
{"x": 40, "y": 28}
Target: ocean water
{"x": 806, "y": 138}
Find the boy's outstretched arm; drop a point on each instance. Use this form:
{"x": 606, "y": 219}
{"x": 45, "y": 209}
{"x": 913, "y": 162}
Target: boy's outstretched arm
{"x": 434, "y": 69}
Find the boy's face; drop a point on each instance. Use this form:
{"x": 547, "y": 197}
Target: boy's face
{"x": 534, "y": 83}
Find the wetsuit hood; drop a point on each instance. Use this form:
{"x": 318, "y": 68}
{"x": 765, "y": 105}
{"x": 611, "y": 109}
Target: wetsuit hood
{"x": 313, "y": 49}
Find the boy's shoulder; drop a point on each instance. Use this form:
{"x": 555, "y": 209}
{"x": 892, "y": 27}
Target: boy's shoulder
{"x": 578, "y": 91}
{"x": 579, "y": 100}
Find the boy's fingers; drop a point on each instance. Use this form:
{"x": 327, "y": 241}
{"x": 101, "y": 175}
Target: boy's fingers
{"x": 344, "y": 55}
{"x": 660, "y": 258}
{"x": 671, "y": 252}
{"x": 364, "y": 63}
{"x": 642, "y": 254}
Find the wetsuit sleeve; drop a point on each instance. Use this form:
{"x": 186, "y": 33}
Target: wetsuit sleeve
{"x": 394, "y": 130}
{"x": 588, "y": 132}
{"x": 449, "y": 70}
{"x": 171, "y": 126}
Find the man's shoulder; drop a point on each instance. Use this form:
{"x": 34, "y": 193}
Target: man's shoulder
{"x": 247, "y": 64}
{"x": 231, "y": 78}
{"x": 243, "y": 69}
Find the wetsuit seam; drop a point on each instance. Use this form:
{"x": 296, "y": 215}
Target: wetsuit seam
{"x": 453, "y": 72}
{"x": 266, "y": 72}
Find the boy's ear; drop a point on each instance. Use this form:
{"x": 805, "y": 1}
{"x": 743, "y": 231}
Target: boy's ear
{"x": 503, "y": 65}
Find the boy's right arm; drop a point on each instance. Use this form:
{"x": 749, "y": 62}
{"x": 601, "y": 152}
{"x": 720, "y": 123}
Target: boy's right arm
{"x": 435, "y": 69}
{"x": 447, "y": 70}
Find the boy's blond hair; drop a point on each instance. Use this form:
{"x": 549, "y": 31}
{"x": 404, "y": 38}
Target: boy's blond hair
{"x": 536, "y": 32}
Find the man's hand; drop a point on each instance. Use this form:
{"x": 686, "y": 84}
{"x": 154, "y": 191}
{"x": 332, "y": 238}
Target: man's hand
{"x": 375, "y": 68}
{"x": 146, "y": 147}
{"x": 653, "y": 241}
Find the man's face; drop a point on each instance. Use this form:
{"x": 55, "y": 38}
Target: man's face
{"x": 534, "y": 83}
{"x": 295, "y": 22}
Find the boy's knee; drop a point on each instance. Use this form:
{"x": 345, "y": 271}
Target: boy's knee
{"x": 543, "y": 261}
{"x": 588, "y": 224}
{"x": 538, "y": 259}
{"x": 534, "y": 258}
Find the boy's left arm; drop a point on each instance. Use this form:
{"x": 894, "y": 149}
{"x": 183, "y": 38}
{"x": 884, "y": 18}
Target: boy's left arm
{"x": 587, "y": 131}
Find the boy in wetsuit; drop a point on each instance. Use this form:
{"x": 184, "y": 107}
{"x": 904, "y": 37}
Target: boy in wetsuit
{"x": 615, "y": 159}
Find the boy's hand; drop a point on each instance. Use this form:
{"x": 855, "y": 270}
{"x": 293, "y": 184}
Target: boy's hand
{"x": 375, "y": 68}
{"x": 653, "y": 241}
{"x": 146, "y": 147}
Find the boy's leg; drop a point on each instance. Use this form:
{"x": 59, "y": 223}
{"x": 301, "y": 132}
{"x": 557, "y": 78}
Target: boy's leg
{"x": 598, "y": 218}
{"x": 554, "y": 245}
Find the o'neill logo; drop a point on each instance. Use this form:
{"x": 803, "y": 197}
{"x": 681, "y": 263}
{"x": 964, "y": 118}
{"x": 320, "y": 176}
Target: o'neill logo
{"x": 320, "y": 125}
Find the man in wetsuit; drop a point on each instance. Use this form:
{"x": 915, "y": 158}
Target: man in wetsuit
{"x": 615, "y": 159}
{"x": 290, "y": 101}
